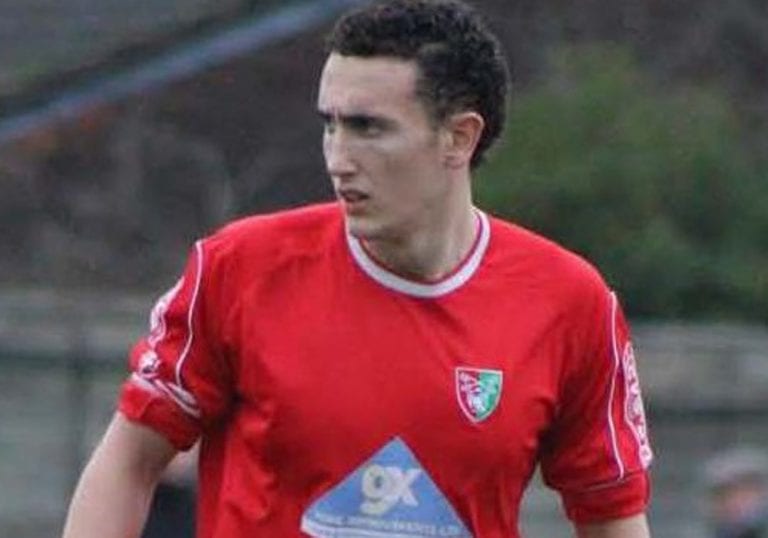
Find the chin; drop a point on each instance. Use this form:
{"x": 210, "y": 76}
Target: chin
{"x": 362, "y": 228}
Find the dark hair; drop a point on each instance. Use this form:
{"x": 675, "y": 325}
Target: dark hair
{"x": 461, "y": 64}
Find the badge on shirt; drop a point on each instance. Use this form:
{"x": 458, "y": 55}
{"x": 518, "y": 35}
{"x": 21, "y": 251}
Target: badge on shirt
{"x": 478, "y": 391}
{"x": 390, "y": 495}
{"x": 634, "y": 410}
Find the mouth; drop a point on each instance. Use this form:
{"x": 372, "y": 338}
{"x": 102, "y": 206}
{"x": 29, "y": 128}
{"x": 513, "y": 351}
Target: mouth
{"x": 353, "y": 199}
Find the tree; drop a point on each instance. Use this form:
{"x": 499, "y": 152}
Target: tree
{"x": 653, "y": 184}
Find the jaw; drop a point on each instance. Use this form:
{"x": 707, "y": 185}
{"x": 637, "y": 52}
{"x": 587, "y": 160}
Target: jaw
{"x": 363, "y": 226}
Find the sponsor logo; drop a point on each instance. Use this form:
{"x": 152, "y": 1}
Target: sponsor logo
{"x": 388, "y": 496}
{"x": 478, "y": 391}
{"x": 634, "y": 410}
{"x": 384, "y": 487}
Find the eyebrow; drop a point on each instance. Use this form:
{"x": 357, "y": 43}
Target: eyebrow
{"x": 324, "y": 115}
{"x": 354, "y": 118}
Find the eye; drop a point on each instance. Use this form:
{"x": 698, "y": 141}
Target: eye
{"x": 365, "y": 125}
{"x": 329, "y": 123}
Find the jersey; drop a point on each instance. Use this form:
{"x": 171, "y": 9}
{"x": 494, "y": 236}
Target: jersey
{"x": 335, "y": 397}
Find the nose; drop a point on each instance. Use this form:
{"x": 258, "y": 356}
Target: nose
{"x": 338, "y": 155}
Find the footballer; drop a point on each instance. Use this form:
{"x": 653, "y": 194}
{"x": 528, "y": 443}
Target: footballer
{"x": 398, "y": 362}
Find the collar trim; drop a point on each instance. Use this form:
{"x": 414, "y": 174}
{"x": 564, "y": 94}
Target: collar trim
{"x": 398, "y": 283}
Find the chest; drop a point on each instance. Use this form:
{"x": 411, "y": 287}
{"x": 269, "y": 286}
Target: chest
{"x": 331, "y": 373}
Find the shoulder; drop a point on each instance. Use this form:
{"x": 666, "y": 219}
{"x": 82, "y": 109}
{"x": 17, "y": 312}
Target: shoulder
{"x": 290, "y": 223}
{"x": 544, "y": 261}
{"x": 268, "y": 243}
{"x": 291, "y": 231}
{"x": 559, "y": 282}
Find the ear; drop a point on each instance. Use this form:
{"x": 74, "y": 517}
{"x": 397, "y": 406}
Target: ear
{"x": 462, "y": 133}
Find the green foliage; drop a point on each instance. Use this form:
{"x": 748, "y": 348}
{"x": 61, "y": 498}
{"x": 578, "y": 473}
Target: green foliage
{"x": 653, "y": 185}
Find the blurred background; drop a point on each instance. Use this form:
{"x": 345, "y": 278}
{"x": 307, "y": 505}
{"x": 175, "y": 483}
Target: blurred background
{"x": 637, "y": 136}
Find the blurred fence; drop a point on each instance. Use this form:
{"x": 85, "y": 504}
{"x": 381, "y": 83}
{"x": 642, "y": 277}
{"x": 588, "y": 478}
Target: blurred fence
{"x": 706, "y": 388}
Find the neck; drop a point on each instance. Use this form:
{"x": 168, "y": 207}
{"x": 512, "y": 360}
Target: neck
{"x": 432, "y": 249}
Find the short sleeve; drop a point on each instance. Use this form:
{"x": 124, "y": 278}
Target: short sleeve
{"x": 597, "y": 454}
{"x": 179, "y": 382}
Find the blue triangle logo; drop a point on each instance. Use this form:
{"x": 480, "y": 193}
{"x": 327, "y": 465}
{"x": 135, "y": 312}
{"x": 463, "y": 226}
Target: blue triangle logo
{"x": 388, "y": 496}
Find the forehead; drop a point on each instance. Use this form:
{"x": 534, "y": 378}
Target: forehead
{"x": 353, "y": 84}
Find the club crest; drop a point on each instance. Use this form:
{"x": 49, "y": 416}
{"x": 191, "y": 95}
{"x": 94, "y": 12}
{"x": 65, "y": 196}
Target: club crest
{"x": 478, "y": 391}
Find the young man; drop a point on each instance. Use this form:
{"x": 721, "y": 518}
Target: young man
{"x": 737, "y": 491}
{"x": 393, "y": 364}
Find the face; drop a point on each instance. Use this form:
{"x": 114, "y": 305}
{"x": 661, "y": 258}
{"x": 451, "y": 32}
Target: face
{"x": 739, "y": 502}
{"x": 383, "y": 154}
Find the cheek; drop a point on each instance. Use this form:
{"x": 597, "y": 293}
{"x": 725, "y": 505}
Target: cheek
{"x": 401, "y": 167}
{"x": 382, "y": 160}
{"x": 407, "y": 155}
{"x": 326, "y": 143}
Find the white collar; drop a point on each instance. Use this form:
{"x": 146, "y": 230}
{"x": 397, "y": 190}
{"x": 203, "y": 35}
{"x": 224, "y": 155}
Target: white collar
{"x": 455, "y": 280}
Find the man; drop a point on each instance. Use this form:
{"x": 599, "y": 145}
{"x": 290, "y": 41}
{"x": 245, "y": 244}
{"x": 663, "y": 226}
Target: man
{"x": 398, "y": 362}
{"x": 737, "y": 487}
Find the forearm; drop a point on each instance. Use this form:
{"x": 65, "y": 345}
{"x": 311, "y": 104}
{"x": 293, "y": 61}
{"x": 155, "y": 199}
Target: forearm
{"x": 107, "y": 503}
{"x": 113, "y": 496}
{"x": 631, "y": 527}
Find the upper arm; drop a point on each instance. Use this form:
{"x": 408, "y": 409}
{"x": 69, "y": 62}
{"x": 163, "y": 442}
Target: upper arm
{"x": 180, "y": 380}
{"x": 631, "y": 527}
{"x": 597, "y": 452}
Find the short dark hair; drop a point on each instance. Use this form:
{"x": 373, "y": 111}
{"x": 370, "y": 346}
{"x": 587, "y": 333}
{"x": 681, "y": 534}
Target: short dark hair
{"x": 461, "y": 63}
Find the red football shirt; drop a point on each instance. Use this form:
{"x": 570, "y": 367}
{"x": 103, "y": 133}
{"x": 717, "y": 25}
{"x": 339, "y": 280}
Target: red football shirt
{"x": 335, "y": 396}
